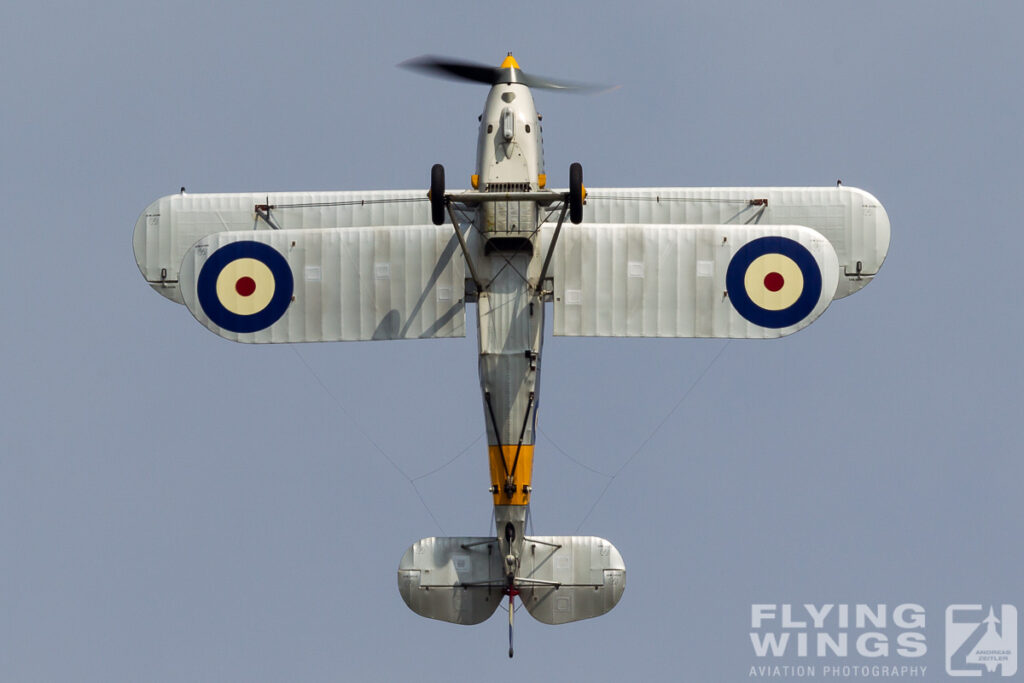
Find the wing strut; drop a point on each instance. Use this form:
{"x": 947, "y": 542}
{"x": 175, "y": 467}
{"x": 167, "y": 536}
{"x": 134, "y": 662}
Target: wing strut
{"x": 497, "y": 434}
{"x": 263, "y": 211}
{"x": 465, "y": 252}
{"x": 519, "y": 446}
{"x": 551, "y": 248}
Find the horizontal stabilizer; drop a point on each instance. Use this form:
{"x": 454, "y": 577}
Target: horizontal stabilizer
{"x": 559, "y": 579}
{"x": 334, "y": 284}
{"x": 568, "y": 578}
{"x": 457, "y": 579}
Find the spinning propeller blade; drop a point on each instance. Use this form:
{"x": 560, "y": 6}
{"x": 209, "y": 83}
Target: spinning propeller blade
{"x": 508, "y": 72}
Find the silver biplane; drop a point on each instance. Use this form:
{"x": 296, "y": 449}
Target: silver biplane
{"x": 285, "y": 267}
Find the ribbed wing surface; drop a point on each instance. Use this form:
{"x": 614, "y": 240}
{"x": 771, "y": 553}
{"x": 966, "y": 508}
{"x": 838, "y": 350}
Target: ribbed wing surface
{"x": 724, "y": 281}
{"x": 853, "y": 221}
{"x": 337, "y": 284}
{"x": 172, "y": 224}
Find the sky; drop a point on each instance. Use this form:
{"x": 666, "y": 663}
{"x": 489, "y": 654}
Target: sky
{"x": 177, "y": 507}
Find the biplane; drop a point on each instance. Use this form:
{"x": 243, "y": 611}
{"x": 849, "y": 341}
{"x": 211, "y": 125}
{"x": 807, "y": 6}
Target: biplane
{"x": 287, "y": 267}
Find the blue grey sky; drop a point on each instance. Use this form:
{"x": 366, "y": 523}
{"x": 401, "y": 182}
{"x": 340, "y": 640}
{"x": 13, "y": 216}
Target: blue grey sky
{"x": 175, "y": 507}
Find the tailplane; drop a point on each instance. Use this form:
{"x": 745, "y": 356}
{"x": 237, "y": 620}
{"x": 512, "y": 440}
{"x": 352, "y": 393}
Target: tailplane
{"x": 568, "y": 578}
{"x": 559, "y": 579}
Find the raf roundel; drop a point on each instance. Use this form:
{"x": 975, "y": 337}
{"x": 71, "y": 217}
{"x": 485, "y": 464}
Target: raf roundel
{"x": 773, "y": 282}
{"x": 245, "y": 286}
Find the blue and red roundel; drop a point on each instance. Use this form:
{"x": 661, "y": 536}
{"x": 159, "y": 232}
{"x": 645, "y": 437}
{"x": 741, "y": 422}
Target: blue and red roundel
{"x": 773, "y": 282}
{"x": 245, "y": 286}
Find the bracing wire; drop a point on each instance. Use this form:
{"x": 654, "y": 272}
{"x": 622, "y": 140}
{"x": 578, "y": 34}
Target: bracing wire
{"x": 351, "y": 202}
{"x": 412, "y": 480}
{"x": 657, "y": 199}
{"x": 650, "y": 436}
{"x": 452, "y": 459}
{"x": 570, "y": 458}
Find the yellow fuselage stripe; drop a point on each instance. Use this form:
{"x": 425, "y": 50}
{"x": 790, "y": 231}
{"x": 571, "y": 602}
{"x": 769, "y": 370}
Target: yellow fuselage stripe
{"x": 520, "y": 478}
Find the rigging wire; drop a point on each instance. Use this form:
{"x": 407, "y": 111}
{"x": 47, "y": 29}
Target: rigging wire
{"x": 563, "y": 452}
{"x": 412, "y": 480}
{"x": 611, "y": 477}
{"x": 657, "y": 199}
{"x": 456, "y": 457}
{"x": 349, "y": 202}
{"x": 591, "y": 195}
{"x": 656, "y": 429}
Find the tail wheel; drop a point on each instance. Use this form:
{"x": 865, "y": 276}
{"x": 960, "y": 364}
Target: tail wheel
{"x": 437, "y": 194}
{"x": 576, "y": 193}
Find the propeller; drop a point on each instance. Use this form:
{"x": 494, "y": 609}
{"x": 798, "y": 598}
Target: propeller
{"x": 508, "y": 72}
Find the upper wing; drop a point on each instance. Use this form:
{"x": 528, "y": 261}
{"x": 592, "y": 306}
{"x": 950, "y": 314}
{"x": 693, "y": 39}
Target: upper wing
{"x": 171, "y": 225}
{"x": 726, "y": 281}
{"x": 306, "y": 266}
{"x": 852, "y": 220}
{"x": 329, "y": 284}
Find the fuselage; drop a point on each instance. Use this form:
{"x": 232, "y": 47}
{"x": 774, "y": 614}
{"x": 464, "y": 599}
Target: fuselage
{"x": 511, "y": 306}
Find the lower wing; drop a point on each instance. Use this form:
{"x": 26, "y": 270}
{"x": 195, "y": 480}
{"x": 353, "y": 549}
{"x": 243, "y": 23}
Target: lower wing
{"x": 724, "y": 281}
{"x": 333, "y": 284}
